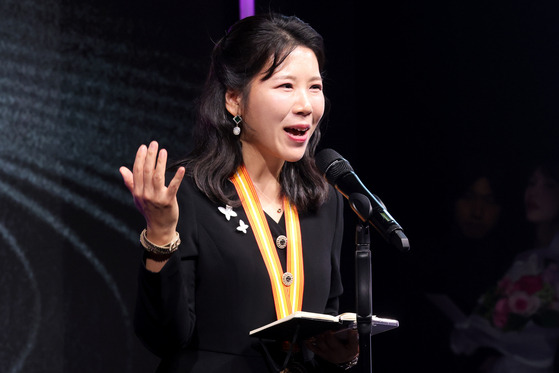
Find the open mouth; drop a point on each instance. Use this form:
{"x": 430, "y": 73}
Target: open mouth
{"x": 296, "y": 131}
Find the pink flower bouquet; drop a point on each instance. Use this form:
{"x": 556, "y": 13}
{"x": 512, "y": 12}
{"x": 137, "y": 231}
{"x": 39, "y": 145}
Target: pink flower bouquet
{"x": 528, "y": 291}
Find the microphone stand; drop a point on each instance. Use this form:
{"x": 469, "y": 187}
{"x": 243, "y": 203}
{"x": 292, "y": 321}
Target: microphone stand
{"x": 363, "y": 280}
{"x": 364, "y": 301}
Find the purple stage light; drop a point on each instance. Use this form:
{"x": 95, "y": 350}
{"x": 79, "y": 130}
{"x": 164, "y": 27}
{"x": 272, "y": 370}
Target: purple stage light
{"x": 246, "y": 8}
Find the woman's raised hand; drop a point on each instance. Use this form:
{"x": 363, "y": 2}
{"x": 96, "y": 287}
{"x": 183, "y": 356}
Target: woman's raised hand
{"x": 155, "y": 201}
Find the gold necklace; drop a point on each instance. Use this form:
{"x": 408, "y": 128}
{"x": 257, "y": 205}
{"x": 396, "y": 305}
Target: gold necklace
{"x": 279, "y": 210}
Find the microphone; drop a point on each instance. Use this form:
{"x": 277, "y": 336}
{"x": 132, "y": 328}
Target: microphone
{"x": 339, "y": 173}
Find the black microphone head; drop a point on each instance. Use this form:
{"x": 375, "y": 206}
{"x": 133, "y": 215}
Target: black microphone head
{"x": 332, "y": 165}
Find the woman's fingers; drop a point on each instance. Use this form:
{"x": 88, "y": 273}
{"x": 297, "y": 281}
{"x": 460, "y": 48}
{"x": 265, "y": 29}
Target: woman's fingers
{"x": 160, "y": 168}
{"x": 333, "y": 348}
{"x": 138, "y": 171}
{"x": 128, "y": 178}
{"x": 176, "y": 181}
{"x": 146, "y": 181}
{"x": 149, "y": 169}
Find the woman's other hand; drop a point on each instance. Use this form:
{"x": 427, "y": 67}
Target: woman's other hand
{"x": 335, "y": 347}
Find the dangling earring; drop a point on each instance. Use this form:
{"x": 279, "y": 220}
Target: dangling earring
{"x": 237, "y": 130}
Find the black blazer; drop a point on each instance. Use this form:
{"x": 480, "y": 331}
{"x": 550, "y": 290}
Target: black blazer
{"x": 197, "y": 312}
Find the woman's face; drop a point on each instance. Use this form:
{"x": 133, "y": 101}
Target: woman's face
{"x": 280, "y": 114}
{"x": 541, "y": 198}
{"x": 476, "y": 211}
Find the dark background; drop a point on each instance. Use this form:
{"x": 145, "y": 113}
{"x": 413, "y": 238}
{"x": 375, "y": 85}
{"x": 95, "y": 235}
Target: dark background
{"x": 418, "y": 90}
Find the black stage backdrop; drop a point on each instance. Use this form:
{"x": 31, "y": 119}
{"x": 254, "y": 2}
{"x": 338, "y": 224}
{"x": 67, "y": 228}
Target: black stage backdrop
{"x": 417, "y": 89}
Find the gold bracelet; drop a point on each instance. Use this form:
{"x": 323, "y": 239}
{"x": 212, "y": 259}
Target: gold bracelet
{"x": 171, "y": 247}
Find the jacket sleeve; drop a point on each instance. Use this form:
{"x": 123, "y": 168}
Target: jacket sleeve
{"x": 164, "y": 315}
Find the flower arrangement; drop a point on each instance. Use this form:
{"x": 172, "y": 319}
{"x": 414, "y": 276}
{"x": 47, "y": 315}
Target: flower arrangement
{"x": 529, "y": 291}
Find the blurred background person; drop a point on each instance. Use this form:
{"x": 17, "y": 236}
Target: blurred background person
{"x": 469, "y": 257}
{"x": 466, "y": 253}
{"x": 518, "y": 317}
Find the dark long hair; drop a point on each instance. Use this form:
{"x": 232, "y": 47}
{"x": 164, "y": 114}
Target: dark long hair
{"x": 249, "y": 45}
